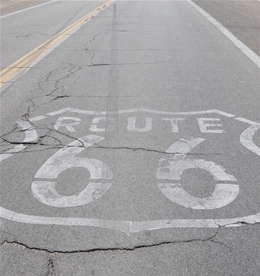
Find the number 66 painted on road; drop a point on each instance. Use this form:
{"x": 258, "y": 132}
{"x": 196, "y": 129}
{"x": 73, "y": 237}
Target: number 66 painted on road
{"x": 64, "y": 159}
{"x": 170, "y": 169}
{"x": 173, "y": 167}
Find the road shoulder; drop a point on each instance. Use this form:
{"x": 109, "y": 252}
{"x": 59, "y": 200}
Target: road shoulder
{"x": 241, "y": 18}
{"x": 9, "y": 6}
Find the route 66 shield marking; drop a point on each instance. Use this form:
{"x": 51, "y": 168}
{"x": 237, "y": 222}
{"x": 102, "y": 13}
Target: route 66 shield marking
{"x": 176, "y": 159}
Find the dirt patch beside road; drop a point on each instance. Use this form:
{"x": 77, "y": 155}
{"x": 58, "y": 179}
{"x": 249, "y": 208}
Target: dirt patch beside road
{"x": 8, "y": 6}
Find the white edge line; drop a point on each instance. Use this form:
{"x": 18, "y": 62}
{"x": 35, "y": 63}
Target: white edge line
{"x": 248, "y": 52}
{"x": 30, "y": 8}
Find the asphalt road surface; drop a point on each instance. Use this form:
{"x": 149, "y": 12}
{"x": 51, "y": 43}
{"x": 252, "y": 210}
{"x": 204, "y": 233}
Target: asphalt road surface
{"x": 12, "y": 6}
{"x": 130, "y": 139}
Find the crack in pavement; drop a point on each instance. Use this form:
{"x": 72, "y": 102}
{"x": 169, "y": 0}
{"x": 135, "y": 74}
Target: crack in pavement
{"x": 93, "y": 52}
{"x": 61, "y": 145}
{"x": 70, "y": 69}
{"x": 120, "y": 64}
{"x": 39, "y": 141}
{"x": 50, "y": 267}
{"x": 118, "y": 249}
{"x": 9, "y": 132}
{"x": 95, "y": 146}
{"x": 157, "y": 151}
{"x": 23, "y": 36}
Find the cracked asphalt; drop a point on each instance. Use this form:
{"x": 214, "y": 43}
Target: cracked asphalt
{"x": 132, "y": 145}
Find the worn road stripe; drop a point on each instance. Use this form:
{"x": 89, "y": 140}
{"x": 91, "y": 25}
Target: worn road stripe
{"x": 26, "y": 9}
{"x": 20, "y": 66}
{"x": 239, "y": 44}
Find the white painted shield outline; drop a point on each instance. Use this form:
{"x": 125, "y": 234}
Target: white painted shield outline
{"x": 129, "y": 227}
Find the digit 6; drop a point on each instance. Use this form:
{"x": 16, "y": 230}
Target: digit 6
{"x": 45, "y": 191}
{"x": 173, "y": 169}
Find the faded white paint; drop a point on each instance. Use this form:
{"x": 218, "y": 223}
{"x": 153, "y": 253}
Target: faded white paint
{"x": 46, "y": 193}
{"x": 206, "y": 127}
{"x": 106, "y": 127}
{"x": 222, "y": 195}
{"x": 239, "y": 44}
{"x": 173, "y": 169}
{"x": 137, "y": 226}
{"x": 183, "y": 146}
{"x": 68, "y": 125}
{"x": 132, "y": 125}
{"x": 30, "y": 8}
{"x": 17, "y": 148}
{"x": 4, "y": 156}
{"x": 65, "y": 159}
{"x": 174, "y": 123}
{"x": 31, "y": 135}
{"x": 138, "y": 110}
{"x": 10, "y": 152}
{"x": 130, "y": 227}
{"x": 246, "y": 138}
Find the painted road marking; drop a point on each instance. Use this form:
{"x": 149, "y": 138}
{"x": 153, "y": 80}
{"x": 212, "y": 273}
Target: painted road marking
{"x": 30, "y": 8}
{"x": 63, "y": 122}
{"x": 246, "y": 138}
{"x": 132, "y": 125}
{"x": 19, "y": 67}
{"x": 10, "y": 152}
{"x": 239, "y": 44}
{"x": 96, "y": 121}
{"x": 129, "y": 227}
{"x": 64, "y": 159}
{"x": 173, "y": 168}
{"x": 99, "y": 124}
{"x": 206, "y": 125}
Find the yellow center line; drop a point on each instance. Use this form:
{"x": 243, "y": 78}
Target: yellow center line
{"x": 34, "y": 56}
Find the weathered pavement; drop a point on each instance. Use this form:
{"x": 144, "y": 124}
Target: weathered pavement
{"x": 240, "y": 17}
{"x": 11, "y": 6}
{"x": 131, "y": 148}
